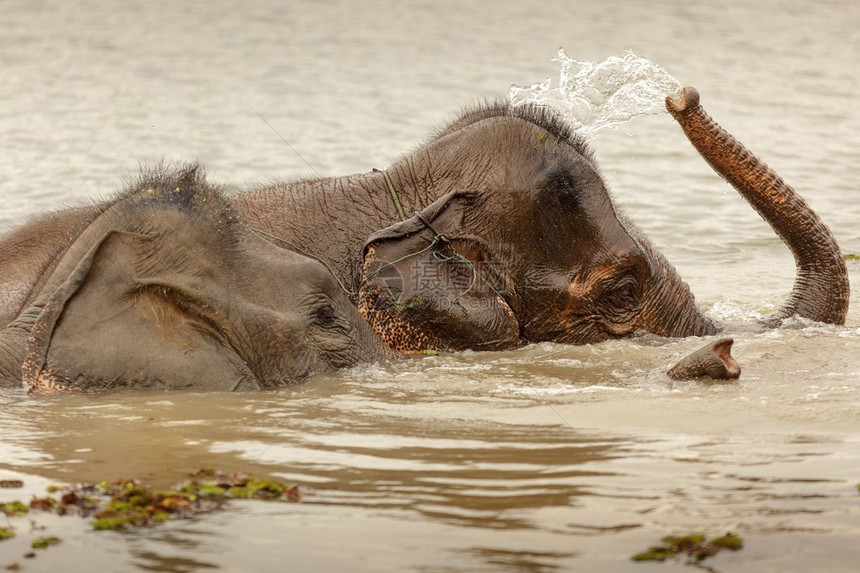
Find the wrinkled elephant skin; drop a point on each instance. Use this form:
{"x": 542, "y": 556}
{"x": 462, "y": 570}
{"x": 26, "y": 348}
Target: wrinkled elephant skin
{"x": 167, "y": 290}
{"x": 821, "y": 290}
{"x": 497, "y": 232}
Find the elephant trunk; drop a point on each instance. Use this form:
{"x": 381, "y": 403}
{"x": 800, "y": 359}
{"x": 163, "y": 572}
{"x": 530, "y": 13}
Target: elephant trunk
{"x": 13, "y": 343}
{"x": 11, "y": 359}
{"x": 714, "y": 360}
{"x": 670, "y": 309}
{"x": 821, "y": 288}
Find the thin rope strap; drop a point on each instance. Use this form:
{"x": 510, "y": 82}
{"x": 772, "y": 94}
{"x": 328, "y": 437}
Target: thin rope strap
{"x": 438, "y": 238}
{"x": 427, "y": 224}
{"x": 394, "y": 196}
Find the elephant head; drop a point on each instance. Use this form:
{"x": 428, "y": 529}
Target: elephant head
{"x": 168, "y": 290}
{"x": 527, "y": 246}
{"x": 531, "y": 250}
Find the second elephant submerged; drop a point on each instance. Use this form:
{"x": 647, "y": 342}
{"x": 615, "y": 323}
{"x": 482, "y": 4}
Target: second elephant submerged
{"x": 167, "y": 289}
{"x": 497, "y": 232}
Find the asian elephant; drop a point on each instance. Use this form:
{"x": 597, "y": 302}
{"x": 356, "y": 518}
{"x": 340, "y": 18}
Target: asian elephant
{"x": 167, "y": 289}
{"x": 498, "y": 231}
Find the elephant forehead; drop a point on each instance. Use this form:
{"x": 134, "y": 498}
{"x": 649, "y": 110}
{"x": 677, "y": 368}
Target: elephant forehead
{"x": 274, "y": 272}
{"x": 590, "y": 255}
{"x": 557, "y": 225}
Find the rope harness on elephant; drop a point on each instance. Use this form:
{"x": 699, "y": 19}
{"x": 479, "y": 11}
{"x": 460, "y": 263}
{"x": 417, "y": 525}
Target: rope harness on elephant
{"x": 438, "y": 238}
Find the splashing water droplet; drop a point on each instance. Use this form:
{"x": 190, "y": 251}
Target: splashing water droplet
{"x": 602, "y": 94}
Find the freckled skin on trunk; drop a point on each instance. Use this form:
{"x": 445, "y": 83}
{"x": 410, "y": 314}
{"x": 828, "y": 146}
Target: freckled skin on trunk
{"x": 821, "y": 287}
{"x": 713, "y": 360}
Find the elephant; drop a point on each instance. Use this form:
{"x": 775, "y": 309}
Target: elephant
{"x": 498, "y": 231}
{"x": 166, "y": 289}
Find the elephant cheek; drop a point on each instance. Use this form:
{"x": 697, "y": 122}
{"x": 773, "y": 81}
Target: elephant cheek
{"x": 561, "y": 316}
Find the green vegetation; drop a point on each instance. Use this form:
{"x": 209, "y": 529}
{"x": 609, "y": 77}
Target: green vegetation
{"x": 696, "y": 547}
{"x": 125, "y": 503}
{"x": 14, "y": 508}
{"x": 728, "y": 541}
{"x": 400, "y": 306}
{"x": 44, "y": 542}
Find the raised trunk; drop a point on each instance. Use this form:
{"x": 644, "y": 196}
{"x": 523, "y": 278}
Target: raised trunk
{"x": 821, "y": 288}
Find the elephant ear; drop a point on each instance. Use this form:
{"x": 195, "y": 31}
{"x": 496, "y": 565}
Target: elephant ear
{"x": 105, "y": 328}
{"x": 424, "y": 287}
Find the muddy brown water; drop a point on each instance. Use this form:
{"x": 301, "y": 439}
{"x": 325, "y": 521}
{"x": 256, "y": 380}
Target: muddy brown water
{"x": 548, "y": 458}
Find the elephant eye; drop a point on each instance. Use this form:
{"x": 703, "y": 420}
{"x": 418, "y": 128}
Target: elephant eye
{"x": 626, "y": 292}
{"x": 622, "y": 305}
{"x": 332, "y": 333}
{"x": 624, "y": 297}
{"x": 326, "y": 315}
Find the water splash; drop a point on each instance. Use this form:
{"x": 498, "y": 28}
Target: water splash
{"x": 602, "y": 94}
